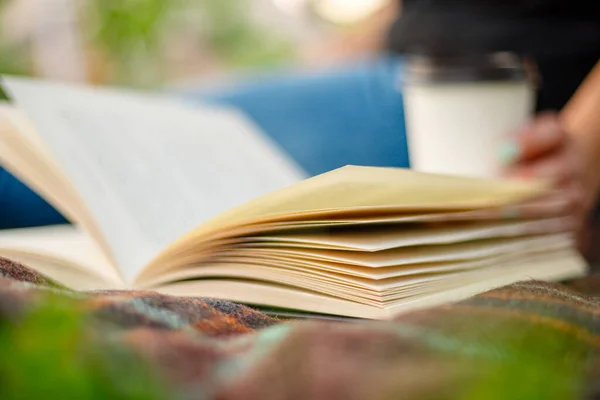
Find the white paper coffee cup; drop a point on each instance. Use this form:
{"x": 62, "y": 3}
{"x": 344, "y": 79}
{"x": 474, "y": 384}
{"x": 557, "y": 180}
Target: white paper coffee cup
{"x": 460, "y": 110}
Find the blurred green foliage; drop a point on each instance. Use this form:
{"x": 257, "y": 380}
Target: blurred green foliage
{"x": 120, "y": 25}
{"x": 13, "y": 58}
{"x": 130, "y": 35}
{"x": 237, "y": 40}
{"x": 128, "y": 32}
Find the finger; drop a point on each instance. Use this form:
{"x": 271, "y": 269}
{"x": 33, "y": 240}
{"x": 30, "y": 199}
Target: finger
{"x": 566, "y": 200}
{"x": 574, "y": 196}
{"x": 556, "y": 169}
{"x": 547, "y": 207}
{"x": 543, "y": 135}
{"x": 569, "y": 197}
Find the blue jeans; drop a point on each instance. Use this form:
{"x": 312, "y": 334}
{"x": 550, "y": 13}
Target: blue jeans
{"x": 348, "y": 115}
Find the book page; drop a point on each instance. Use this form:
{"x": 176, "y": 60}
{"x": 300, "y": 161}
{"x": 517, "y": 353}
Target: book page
{"x": 64, "y": 253}
{"x": 150, "y": 169}
{"x": 377, "y": 238}
{"x": 411, "y": 255}
{"x": 352, "y": 193}
{"x": 26, "y": 156}
{"x": 358, "y": 191}
{"x": 552, "y": 267}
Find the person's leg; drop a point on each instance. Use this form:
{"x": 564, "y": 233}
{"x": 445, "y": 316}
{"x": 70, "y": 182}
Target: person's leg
{"x": 349, "y": 115}
{"x": 21, "y": 207}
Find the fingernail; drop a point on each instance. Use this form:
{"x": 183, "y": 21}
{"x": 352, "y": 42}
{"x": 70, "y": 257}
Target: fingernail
{"x": 509, "y": 152}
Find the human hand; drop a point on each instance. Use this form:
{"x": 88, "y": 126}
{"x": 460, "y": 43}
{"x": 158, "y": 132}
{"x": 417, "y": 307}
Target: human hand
{"x": 544, "y": 150}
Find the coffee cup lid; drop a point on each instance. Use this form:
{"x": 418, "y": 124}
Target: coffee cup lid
{"x": 438, "y": 68}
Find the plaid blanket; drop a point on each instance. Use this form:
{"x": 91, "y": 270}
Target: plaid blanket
{"x": 531, "y": 340}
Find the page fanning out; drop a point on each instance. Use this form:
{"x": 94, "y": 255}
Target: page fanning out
{"x": 149, "y": 168}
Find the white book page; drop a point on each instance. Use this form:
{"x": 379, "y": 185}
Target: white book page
{"x": 149, "y": 168}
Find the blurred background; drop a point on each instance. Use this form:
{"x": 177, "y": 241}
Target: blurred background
{"x": 173, "y": 42}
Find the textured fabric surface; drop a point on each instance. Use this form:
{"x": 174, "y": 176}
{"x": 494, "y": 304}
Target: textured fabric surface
{"x": 530, "y": 340}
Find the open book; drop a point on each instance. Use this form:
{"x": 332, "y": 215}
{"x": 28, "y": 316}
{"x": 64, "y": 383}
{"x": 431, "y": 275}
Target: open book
{"x": 193, "y": 200}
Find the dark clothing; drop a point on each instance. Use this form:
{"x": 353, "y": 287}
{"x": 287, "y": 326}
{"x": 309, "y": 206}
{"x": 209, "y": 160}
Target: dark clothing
{"x": 561, "y": 36}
